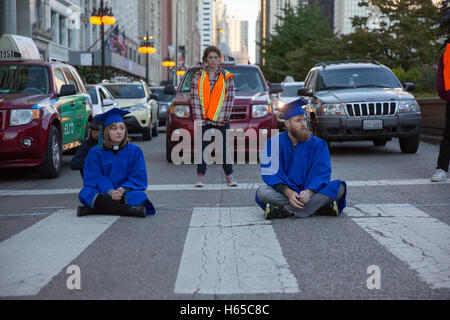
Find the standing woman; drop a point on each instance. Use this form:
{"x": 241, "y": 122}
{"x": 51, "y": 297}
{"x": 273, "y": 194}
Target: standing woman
{"x": 212, "y": 97}
{"x": 115, "y": 177}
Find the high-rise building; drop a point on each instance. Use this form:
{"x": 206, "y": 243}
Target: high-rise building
{"x": 327, "y": 7}
{"x": 238, "y": 38}
{"x": 205, "y": 23}
{"x": 344, "y": 11}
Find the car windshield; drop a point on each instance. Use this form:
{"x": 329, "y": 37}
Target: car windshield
{"x": 290, "y": 91}
{"x": 356, "y": 78}
{"x": 91, "y": 91}
{"x": 26, "y": 79}
{"x": 126, "y": 91}
{"x": 162, "y": 97}
{"x": 245, "y": 79}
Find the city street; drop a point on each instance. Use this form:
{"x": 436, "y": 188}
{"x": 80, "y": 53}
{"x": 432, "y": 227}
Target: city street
{"x": 391, "y": 242}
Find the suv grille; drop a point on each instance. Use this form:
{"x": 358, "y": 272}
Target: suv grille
{"x": 364, "y": 109}
{"x": 239, "y": 113}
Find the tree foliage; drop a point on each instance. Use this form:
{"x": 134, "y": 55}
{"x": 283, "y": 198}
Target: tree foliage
{"x": 408, "y": 35}
{"x": 299, "y": 26}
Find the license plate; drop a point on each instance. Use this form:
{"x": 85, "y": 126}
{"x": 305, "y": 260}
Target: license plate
{"x": 372, "y": 124}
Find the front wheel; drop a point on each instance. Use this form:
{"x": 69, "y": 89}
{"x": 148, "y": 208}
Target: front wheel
{"x": 168, "y": 152}
{"x": 51, "y": 167}
{"x": 155, "y": 131}
{"x": 409, "y": 144}
{"x": 147, "y": 135}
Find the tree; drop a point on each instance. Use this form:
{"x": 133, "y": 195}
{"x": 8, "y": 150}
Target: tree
{"x": 298, "y": 27}
{"x": 407, "y": 35}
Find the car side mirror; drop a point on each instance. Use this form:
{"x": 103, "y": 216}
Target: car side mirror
{"x": 67, "y": 90}
{"x": 276, "y": 88}
{"x": 409, "y": 86}
{"x": 107, "y": 102}
{"x": 154, "y": 96}
{"x": 304, "y": 92}
{"x": 170, "y": 89}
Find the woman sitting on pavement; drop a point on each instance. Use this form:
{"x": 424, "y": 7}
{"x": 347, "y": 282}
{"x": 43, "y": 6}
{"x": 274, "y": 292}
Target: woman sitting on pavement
{"x": 115, "y": 177}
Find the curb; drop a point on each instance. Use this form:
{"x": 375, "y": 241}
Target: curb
{"x": 430, "y": 139}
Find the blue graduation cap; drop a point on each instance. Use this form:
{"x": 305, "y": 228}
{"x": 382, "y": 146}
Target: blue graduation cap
{"x": 294, "y": 108}
{"x": 112, "y": 116}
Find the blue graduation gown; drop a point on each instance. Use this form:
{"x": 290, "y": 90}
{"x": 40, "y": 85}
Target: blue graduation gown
{"x": 104, "y": 170}
{"x": 307, "y": 166}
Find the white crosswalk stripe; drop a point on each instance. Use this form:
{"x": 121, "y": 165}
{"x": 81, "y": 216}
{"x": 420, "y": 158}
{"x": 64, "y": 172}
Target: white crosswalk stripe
{"x": 31, "y": 258}
{"x": 416, "y": 238}
{"x": 214, "y": 187}
{"x": 232, "y": 251}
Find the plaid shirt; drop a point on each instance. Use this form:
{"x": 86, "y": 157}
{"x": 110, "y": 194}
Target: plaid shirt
{"x": 225, "y": 112}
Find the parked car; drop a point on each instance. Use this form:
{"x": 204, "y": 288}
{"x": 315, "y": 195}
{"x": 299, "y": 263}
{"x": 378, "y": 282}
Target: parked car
{"x": 135, "y": 96}
{"x": 289, "y": 94}
{"x": 252, "y": 108}
{"x": 164, "y": 101}
{"x": 361, "y": 100}
{"x": 102, "y": 99}
{"x": 44, "y": 108}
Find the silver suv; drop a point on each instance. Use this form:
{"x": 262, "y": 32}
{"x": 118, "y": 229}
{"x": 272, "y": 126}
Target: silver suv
{"x": 361, "y": 100}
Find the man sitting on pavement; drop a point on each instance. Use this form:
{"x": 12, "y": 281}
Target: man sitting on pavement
{"x": 298, "y": 185}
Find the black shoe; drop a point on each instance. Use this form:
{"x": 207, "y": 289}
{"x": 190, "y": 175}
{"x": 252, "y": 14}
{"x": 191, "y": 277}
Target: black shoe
{"x": 276, "y": 212}
{"x": 85, "y": 211}
{"x": 108, "y": 206}
{"x": 329, "y": 210}
{"x": 140, "y": 212}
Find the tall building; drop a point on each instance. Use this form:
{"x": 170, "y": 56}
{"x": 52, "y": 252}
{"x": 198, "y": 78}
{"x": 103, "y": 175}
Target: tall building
{"x": 220, "y": 25}
{"x": 205, "y": 23}
{"x": 238, "y": 38}
{"x": 344, "y": 11}
{"x": 327, "y": 7}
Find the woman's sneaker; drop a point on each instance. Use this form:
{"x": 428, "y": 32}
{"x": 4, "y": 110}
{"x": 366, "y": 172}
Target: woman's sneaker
{"x": 200, "y": 181}
{"x": 230, "y": 181}
{"x": 439, "y": 176}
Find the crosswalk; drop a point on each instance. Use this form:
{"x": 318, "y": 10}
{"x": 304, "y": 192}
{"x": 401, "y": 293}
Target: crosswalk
{"x": 226, "y": 251}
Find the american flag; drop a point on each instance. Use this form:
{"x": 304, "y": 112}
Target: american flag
{"x": 116, "y": 41}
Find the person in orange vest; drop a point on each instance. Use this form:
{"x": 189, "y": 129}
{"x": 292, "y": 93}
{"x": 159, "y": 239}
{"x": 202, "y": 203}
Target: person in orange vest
{"x": 443, "y": 88}
{"x": 212, "y": 98}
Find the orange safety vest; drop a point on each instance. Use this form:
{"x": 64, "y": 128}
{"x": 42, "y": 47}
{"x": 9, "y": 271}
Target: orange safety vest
{"x": 446, "y": 69}
{"x": 212, "y": 100}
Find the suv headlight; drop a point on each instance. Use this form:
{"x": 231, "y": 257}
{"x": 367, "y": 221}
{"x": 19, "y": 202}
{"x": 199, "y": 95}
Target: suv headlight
{"x": 139, "y": 107}
{"x": 408, "y": 106}
{"x": 260, "y": 110}
{"x": 332, "y": 109}
{"x": 23, "y": 116}
{"x": 182, "y": 111}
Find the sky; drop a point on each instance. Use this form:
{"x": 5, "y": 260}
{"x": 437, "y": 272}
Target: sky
{"x": 247, "y": 10}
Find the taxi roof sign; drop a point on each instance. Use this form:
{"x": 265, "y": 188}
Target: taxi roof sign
{"x": 18, "y": 48}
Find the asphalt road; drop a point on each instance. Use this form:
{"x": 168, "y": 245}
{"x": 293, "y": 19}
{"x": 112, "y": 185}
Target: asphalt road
{"x": 396, "y": 221}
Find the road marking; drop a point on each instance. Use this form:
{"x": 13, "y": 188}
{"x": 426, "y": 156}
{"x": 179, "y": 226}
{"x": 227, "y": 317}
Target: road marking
{"x": 423, "y": 242}
{"x": 31, "y": 258}
{"x": 214, "y": 187}
{"x": 232, "y": 251}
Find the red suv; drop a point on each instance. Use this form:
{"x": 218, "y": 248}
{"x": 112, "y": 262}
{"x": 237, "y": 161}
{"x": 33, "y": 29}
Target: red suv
{"x": 44, "y": 108}
{"x": 252, "y": 110}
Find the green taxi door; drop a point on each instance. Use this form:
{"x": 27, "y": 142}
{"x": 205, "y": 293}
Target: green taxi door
{"x": 78, "y": 103}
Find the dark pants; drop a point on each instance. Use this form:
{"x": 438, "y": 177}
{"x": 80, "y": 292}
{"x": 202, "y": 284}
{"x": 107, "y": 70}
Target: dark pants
{"x": 227, "y": 167}
{"x": 444, "y": 151}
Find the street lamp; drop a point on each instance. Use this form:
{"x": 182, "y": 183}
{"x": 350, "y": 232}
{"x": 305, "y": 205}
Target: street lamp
{"x": 219, "y": 31}
{"x": 168, "y": 64}
{"x": 102, "y": 16}
{"x": 147, "y": 48}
